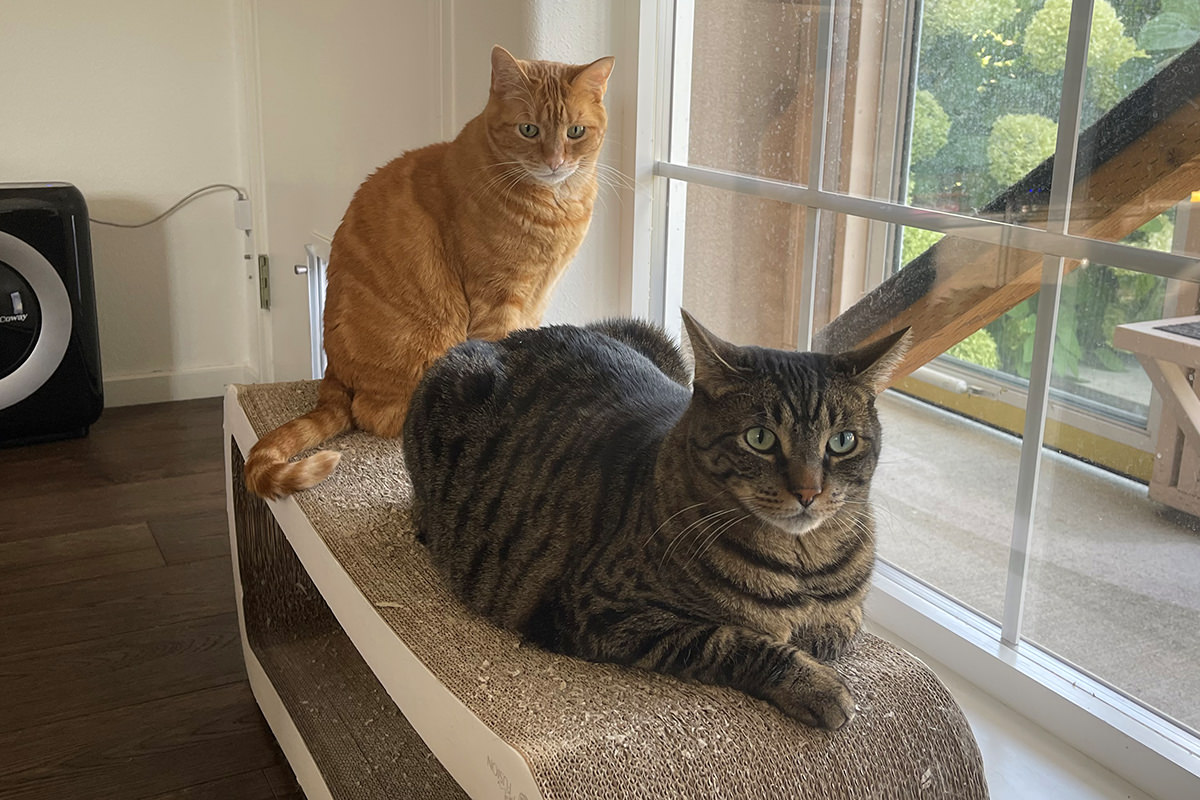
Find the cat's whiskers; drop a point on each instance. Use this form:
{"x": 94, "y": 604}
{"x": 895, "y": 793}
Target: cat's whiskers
{"x": 673, "y": 516}
{"x": 505, "y": 181}
{"x": 866, "y": 510}
{"x": 885, "y": 514}
{"x": 712, "y": 499}
{"x": 505, "y": 168}
{"x": 710, "y": 540}
{"x": 603, "y": 179}
{"x": 518, "y": 176}
{"x": 611, "y": 176}
{"x": 679, "y": 537}
{"x": 695, "y": 526}
{"x": 879, "y": 504}
{"x": 706, "y": 540}
{"x": 856, "y": 523}
{"x": 865, "y": 525}
{"x": 508, "y": 170}
{"x": 702, "y": 540}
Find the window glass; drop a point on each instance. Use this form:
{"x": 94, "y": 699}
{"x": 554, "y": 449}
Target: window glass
{"x": 753, "y": 67}
{"x": 1112, "y": 582}
{"x": 984, "y": 112}
{"x": 741, "y": 266}
{"x": 943, "y": 496}
{"x": 1136, "y": 139}
{"x": 953, "y": 105}
{"x": 945, "y": 486}
{"x": 1139, "y": 115}
{"x": 1088, "y": 371}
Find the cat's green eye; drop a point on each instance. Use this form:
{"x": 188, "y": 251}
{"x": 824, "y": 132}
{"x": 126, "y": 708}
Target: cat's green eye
{"x": 842, "y": 443}
{"x": 528, "y": 129}
{"x": 575, "y": 131}
{"x": 760, "y": 439}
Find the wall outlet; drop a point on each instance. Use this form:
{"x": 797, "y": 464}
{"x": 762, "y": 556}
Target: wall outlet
{"x": 243, "y": 215}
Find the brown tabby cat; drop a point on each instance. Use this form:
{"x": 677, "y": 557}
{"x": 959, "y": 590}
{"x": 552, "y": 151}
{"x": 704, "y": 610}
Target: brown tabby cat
{"x": 572, "y": 489}
{"x": 458, "y": 240}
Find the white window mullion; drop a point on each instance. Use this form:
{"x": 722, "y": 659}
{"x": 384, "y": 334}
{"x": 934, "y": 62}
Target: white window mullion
{"x": 677, "y": 150}
{"x": 1058, "y": 221}
{"x": 653, "y": 255}
{"x": 976, "y": 229}
{"x": 898, "y": 67}
{"x": 816, "y": 176}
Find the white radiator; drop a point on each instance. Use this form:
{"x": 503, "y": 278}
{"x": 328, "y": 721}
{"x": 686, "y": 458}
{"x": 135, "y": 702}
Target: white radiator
{"x": 318, "y": 262}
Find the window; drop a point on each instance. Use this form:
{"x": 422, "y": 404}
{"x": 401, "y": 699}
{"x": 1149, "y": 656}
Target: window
{"x": 1013, "y": 181}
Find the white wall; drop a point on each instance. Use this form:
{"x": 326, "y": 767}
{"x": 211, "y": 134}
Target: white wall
{"x": 343, "y": 88}
{"x": 135, "y": 102}
{"x": 582, "y": 31}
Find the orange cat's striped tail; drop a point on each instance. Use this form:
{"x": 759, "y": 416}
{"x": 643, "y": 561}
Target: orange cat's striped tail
{"x": 269, "y": 471}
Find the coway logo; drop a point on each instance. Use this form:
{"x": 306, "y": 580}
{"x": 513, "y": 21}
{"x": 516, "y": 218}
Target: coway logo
{"x": 13, "y": 318}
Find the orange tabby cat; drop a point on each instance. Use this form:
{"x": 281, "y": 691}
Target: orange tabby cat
{"x": 457, "y": 240}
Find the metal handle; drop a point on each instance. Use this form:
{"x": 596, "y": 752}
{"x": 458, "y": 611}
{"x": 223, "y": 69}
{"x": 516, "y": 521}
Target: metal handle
{"x": 301, "y": 269}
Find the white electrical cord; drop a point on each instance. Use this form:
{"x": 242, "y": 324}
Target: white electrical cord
{"x": 212, "y": 187}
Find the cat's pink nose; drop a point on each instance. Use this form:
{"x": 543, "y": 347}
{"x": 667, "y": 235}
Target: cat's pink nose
{"x": 804, "y": 481}
{"x": 554, "y": 162}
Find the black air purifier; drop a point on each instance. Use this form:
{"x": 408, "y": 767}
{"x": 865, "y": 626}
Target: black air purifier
{"x": 50, "y": 383}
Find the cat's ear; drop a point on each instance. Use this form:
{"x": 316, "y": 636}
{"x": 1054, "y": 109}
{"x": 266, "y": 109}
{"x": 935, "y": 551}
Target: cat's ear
{"x": 715, "y": 358}
{"x": 594, "y": 77}
{"x": 507, "y": 73}
{"x": 874, "y": 364}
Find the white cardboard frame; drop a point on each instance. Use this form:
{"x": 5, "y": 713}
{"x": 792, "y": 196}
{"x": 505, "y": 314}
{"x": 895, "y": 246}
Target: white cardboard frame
{"x": 483, "y": 764}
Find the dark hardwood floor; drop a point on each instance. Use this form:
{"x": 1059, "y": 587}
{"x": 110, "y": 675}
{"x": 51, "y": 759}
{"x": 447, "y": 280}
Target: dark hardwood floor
{"x": 121, "y": 671}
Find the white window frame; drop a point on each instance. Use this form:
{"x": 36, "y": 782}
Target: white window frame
{"x": 1149, "y": 751}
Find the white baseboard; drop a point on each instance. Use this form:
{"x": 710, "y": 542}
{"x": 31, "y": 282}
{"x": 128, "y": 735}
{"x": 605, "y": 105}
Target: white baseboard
{"x": 159, "y": 387}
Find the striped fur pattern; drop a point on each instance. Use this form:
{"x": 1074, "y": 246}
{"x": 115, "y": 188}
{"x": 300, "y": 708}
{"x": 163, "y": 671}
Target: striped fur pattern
{"x": 572, "y": 488}
{"x": 457, "y": 240}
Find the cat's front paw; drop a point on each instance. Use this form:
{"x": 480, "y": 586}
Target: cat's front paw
{"x": 820, "y": 700}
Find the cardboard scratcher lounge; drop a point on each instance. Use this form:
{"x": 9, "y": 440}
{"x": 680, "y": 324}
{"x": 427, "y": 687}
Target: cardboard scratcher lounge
{"x": 378, "y": 683}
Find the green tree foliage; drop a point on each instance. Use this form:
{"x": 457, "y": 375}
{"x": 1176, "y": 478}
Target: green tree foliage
{"x": 981, "y": 59}
{"x": 967, "y": 16}
{"x": 1108, "y": 48}
{"x": 970, "y": 66}
{"x": 931, "y": 126}
{"x": 1017, "y": 144}
{"x": 1174, "y": 28}
{"x": 917, "y": 241}
{"x": 978, "y": 348}
{"x": 993, "y": 68}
